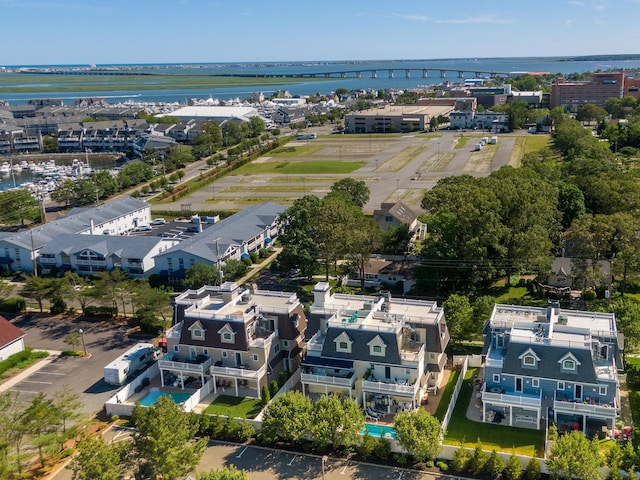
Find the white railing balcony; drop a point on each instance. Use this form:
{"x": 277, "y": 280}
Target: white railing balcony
{"x": 46, "y": 260}
{"x": 237, "y": 372}
{"x": 493, "y": 362}
{"x": 389, "y": 388}
{"x": 261, "y": 342}
{"x": 315, "y": 343}
{"x": 512, "y": 398}
{"x": 174, "y": 363}
{"x": 585, "y": 408}
{"x": 98, "y": 263}
{"x": 328, "y": 379}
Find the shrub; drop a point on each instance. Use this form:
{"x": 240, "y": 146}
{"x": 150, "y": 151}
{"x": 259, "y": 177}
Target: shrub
{"x": 460, "y": 459}
{"x": 532, "y": 472}
{"x": 263, "y": 253}
{"x": 100, "y": 311}
{"x": 11, "y": 305}
{"x": 247, "y": 261}
{"x": 115, "y": 418}
{"x": 400, "y": 458}
{"x": 383, "y": 448}
{"x": 494, "y": 466}
{"x": 367, "y": 446}
{"x": 254, "y": 257}
{"x": 266, "y": 395}
{"x": 589, "y": 295}
{"x": 478, "y": 460}
{"x": 442, "y": 465}
{"x": 273, "y": 388}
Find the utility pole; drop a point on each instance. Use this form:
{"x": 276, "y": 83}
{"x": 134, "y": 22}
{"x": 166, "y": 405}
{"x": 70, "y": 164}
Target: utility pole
{"x": 33, "y": 255}
{"x": 218, "y": 263}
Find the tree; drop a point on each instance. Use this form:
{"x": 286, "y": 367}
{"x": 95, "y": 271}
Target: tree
{"x": 256, "y": 126}
{"x": 482, "y": 309}
{"x": 97, "y": 459}
{"x": 17, "y": 206}
{"x": 200, "y": 274}
{"x": 494, "y": 466}
{"x": 458, "y": 312}
{"x": 356, "y": 191}
{"x": 234, "y": 269}
{"x": 460, "y": 459}
{"x": 396, "y": 240}
{"x": 513, "y": 469}
{"x": 418, "y": 433}
{"x": 288, "y": 417}
{"x": 113, "y": 287}
{"x": 163, "y": 440}
{"x": 40, "y": 419}
{"x": 361, "y": 241}
{"x": 298, "y": 235}
{"x": 570, "y": 203}
{"x": 335, "y": 423}
{"x": 225, "y": 473}
{"x": 478, "y": 460}
{"x": 36, "y": 288}
{"x": 574, "y": 456}
{"x": 589, "y": 112}
{"x": 532, "y": 470}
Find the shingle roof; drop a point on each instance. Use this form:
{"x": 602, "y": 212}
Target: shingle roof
{"x": 76, "y": 221}
{"x": 124, "y": 247}
{"x": 232, "y": 231}
{"x": 359, "y": 348}
{"x": 9, "y": 332}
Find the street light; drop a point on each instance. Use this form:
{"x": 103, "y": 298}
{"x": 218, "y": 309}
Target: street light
{"x": 84, "y": 347}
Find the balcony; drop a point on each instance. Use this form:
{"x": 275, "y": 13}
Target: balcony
{"x": 319, "y": 377}
{"x": 175, "y": 363}
{"x": 497, "y": 395}
{"x": 593, "y": 407}
{"x": 392, "y": 388}
{"x": 316, "y": 343}
{"x": 238, "y": 372}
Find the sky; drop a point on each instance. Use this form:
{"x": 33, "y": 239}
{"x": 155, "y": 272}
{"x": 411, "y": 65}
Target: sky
{"x": 57, "y": 32}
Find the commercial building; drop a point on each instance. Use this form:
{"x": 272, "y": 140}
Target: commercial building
{"x": 394, "y": 118}
{"x": 597, "y": 91}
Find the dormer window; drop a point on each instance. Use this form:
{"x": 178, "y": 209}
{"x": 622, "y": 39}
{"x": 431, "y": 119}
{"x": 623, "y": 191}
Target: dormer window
{"x": 343, "y": 343}
{"x": 377, "y": 347}
{"x": 569, "y": 363}
{"x": 529, "y": 359}
{"x": 197, "y": 331}
{"x": 227, "y": 335}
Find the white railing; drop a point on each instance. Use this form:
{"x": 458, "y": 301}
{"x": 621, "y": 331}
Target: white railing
{"x": 454, "y": 397}
{"x": 315, "y": 343}
{"x": 412, "y": 356}
{"x": 261, "y": 342}
{"x": 185, "y": 366}
{"x": 327, "y": 379}
{"x": 239, "y": 372}
{"x": 511, "y": 399}
{"x": 494, "y": 362}
{"x": 382, "y": 387}
{"x": 563, "y": 406}
{"x": 197, "y": 396}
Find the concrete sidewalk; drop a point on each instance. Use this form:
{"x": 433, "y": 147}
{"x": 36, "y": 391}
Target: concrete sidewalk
{"x": 10, "y": 383}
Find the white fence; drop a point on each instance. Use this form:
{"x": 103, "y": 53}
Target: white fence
{"x": 474, "y": 361}
{"x": 116, "y": 406}
{"x": 456, "y": 392}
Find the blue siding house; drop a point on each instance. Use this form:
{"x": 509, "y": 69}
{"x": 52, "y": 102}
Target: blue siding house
{"x": 550, "y": 363}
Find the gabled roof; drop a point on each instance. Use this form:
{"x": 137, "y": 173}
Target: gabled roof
{"x": 232, "y": 231}
{"x": 400, "y": 211}
{"x": 123, "y": 247}
{"x": 360, "y": 349}
{"x": 76, "y": 221}
{"x": 9, "y": 333}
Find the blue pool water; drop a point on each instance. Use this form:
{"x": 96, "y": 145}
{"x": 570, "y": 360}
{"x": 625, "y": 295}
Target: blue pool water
{"x": 378, "y": 430}
{"x": 153, "y": 396}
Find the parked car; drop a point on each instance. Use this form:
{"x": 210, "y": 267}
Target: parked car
{"x": 142, "y": 228}
{"x": 159, "y": 221}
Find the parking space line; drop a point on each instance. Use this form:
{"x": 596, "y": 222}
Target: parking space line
{"x": 344, "y": 469}
{"x": 291, "y": 462}
{"x": 49, "y": 373}
{"x": 243, "y": 450}
{"x": 23, "y": 391}
{"x": 36, "y": 381}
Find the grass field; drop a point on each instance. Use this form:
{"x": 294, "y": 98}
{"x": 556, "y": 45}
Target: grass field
{"x": 298, "y": 167}
{"x": 533, "y": 143}
{"x": 292, "y": 151}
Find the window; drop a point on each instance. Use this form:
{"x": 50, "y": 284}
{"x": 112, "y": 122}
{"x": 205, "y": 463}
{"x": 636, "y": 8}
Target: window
{"x": 343, "y": 345}
{"x": 535, "y": 382}
{"x": 377, "y": 349}
{"x": 224, "y": 354}
{"x": 560, "y": 385}
{"x": 603, "y": 391}
{"x": 196, "y": 333}
{"x": 496, "y": 378}
{"x": 176, "y": 348}
{"x": 529, "y": 361}
{"x": 255, "y": 357}
{"x": 227, "y": 337}
{"x": 276, "y": 349}
{"x": 205, "y": 352}
{"x": 286, "y": 343}
{"x": 569, "y": 365}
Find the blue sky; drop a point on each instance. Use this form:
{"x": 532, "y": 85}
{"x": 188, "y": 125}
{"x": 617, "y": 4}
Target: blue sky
{"x": 152, "y": 31}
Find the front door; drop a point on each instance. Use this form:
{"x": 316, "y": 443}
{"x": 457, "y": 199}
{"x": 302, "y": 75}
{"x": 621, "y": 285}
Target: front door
{"x": 387, "y": 372}
{"x": 238, "y": 359}
{"x": 518, "y": 384}
{"x": 578, "y": 392}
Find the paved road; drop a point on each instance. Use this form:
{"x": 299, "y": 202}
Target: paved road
{"x": 83, "y": 376}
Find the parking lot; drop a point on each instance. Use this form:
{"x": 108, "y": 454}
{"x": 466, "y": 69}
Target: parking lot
{"x": 104, "y": 341}
{"x": 179, "y": 230}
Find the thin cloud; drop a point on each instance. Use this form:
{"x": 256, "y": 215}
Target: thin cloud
{"x": 411, "y": 16}
{"x": 576, "y": 3}
{"x": 492, "y": 19}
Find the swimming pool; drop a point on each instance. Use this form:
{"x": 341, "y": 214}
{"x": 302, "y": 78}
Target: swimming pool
{"x": 154, "y": 394}
{"x": 378, "y": 430}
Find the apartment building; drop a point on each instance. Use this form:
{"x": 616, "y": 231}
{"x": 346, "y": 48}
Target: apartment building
{"x": 551, "y": 363}
{"x": 374, "y": 349}
{"x": 240, "y": 339}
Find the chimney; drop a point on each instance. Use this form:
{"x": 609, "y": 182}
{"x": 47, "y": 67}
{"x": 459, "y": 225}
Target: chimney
{"x": 229, "y": 291}
{"x": 321, "y": 294}
{"x": 92, "y": 228}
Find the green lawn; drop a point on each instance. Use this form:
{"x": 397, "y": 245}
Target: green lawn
{"x": 462, "y": 141}
{"x": 237, "y": 407}
{"x": 19, "y": 361}
{"x": 446, "y": 394}
{"x": 289, "y": 151}
{"x": 299, "y": 167}
{"x": 534, "y": 143}
{"x": 463, "y": 431}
